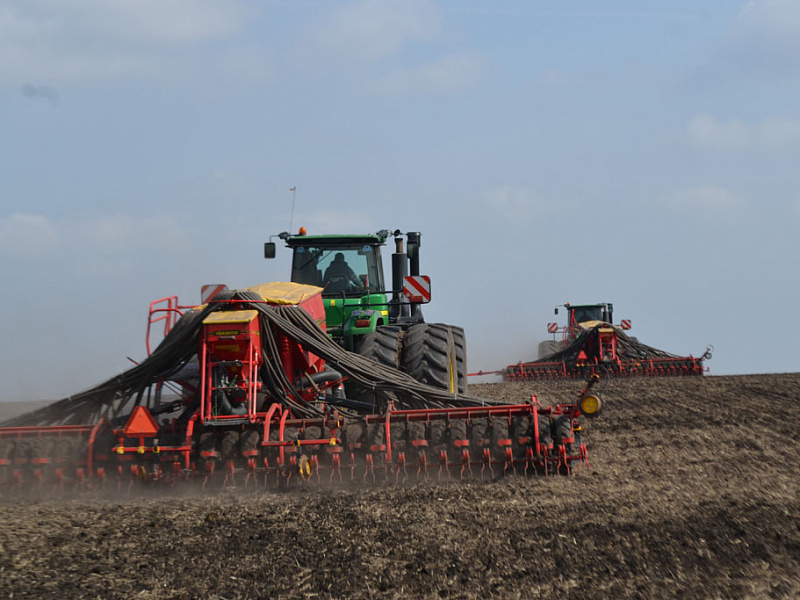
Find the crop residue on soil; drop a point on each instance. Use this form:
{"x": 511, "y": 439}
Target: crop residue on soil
{"x": 693, "y": 493}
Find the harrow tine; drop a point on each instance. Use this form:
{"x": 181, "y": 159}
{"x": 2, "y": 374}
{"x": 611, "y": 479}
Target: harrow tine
{"x": 369, "y": 470}
{"x": 487, "y": 462}
{"x": 400, "y": 467}
{"x": 443, "y": 466}
{"x": 314, "y": 462}
{"x": 422, "y": 463}
{"x": 336, "y": 470}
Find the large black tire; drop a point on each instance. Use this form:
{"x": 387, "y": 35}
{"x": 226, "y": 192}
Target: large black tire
{"x": 429, "y": 355}
{"x": 460, "y": 341}
{"x": 545, "y": 432}
{"x": 562, "y": 429}
{"x": 499, "y": 432}
{"x": 383, "y": 346}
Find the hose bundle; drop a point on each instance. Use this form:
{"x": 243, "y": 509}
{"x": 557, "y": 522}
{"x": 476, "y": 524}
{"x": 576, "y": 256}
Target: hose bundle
{"x": 628, "y": 348}
{"x": 116, "y": 398}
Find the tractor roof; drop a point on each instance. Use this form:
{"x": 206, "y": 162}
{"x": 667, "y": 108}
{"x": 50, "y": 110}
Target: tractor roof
{"x": 372, "y": 239}
{"x": 571, "y": 306}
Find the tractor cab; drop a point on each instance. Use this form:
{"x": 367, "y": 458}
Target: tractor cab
{"x": 339, "y": 265}
{"x": 349, "y": 269}
{"x": 577, "y": 315}
{"x": 584, "y": 313}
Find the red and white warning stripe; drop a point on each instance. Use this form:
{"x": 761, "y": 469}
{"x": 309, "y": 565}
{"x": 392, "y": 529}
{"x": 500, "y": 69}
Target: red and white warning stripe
{"x": 207, "y": 292}
{"x": 417, "y": 288}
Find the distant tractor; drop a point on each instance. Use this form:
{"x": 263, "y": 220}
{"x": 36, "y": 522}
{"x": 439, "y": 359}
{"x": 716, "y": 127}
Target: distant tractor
{"x": 591, "y": 344}
{"x": 577, "y": 315}
{"x": 366, "y": 316}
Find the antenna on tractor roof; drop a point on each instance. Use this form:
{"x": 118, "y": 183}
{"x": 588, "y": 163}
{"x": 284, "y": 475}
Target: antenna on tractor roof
{"x": 292, "y": 189}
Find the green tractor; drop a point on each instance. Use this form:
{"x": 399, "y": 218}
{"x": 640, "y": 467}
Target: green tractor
{"x": 365, "y": 316}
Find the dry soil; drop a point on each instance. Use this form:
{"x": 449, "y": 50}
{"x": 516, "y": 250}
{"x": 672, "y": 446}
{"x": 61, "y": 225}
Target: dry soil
{"x": 693, "y": 493}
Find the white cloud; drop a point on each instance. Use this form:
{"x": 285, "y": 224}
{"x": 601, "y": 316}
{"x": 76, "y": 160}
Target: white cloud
{"x": 120, "y": 233}
{"x": 775, "y": 133}
{"x": 559, "y": 78}
{"x": 515, "y": 203}
{"x": 25, "y": 234}
{"x": 136, "y": 22}
{"x": 706, "y": 198}
{"x": 369, "y": 31}
{"x": 35, "y": 236}
{"x": 444, "y": 75}
{"x": 775, "y": 20}
{"x": 780, "y": 132}
{"x": 69, "y": 41}
{"x": 766, "y": 36}
{"x": 708, "y": 132}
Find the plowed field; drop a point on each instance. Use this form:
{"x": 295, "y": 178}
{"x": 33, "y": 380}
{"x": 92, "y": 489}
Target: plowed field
{"x": 694, "y": 492}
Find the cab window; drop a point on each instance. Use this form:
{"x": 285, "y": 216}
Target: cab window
{"x": 352, "y": 270}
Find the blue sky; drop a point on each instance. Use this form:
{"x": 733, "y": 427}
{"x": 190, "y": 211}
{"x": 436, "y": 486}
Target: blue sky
{"x": 640, "y": 153}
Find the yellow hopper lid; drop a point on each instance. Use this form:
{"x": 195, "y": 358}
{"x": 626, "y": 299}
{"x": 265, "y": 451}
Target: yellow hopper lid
{"x": 231, "y": 316}
{"x": 285, "y": 292}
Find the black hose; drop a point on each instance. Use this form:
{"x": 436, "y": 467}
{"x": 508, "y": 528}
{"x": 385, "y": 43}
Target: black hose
{"x": 118, "y": 396}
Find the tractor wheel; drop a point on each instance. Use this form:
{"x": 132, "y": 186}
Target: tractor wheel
{"x": 383, "y": 346}
{"x": 355, "y": 434}
{"x": 230, "y": 439}
{"x": 458, "y": 430}
{"x": 208, "y": 443}
{"x": 460, "y": 341}
{"x": 548, "y": 347}
{"x": 416, "y": 431}
{"x": 520, "y": 429}
{"x": 398, "y": 436}
{"x": 562, "y": 429}
{"x": 499, "y": 432}
{"x": 250, "y": 440}
{"x": 545, "y": 433}
{"x": 438, "y": 434}
{"x": 430, "y": 357}
{"x": 376, "y": 435}
{"x": 479, "y": 437}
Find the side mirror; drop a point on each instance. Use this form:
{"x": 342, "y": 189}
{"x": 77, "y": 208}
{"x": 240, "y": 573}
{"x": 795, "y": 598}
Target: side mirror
{"x": 269, "y": 249}
{"x": 556, "y": 311}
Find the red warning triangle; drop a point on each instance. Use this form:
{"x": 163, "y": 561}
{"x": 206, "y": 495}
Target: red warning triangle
{"x": 140, "y": 423}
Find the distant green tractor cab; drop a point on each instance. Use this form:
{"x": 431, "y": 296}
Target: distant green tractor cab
{"x": 365, "y": 317}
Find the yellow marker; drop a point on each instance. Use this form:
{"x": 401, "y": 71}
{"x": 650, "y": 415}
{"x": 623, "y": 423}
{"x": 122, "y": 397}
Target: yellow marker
{"x": 590, "y": 405}
{"x": 333, "y": 441}
{"x": 305, "y": 467}
{"x": 120, "y": 450}
{"x": 140, "y": 450}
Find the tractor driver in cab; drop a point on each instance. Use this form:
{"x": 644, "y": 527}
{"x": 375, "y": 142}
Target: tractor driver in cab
{"x": 339, "y": 277}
